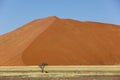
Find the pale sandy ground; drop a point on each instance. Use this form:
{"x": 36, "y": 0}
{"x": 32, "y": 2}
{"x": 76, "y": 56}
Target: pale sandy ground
{"x": 65, "y": 78}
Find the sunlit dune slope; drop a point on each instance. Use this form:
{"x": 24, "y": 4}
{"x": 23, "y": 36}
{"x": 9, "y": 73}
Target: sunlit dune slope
{"x": 61, "y": 42}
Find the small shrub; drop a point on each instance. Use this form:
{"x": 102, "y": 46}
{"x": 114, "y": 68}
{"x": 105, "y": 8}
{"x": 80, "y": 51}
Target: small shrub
{"x": 42, "y": 66}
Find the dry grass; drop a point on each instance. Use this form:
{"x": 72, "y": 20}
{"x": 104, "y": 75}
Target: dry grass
{"x": 59, "y": 71}
{"x": 61, "y": 68}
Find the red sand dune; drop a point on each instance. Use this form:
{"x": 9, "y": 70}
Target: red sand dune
{"x": 61, "y": 42}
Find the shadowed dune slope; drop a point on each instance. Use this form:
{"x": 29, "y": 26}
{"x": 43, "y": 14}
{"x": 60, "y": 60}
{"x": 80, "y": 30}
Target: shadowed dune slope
{"x": 61, "y": 42}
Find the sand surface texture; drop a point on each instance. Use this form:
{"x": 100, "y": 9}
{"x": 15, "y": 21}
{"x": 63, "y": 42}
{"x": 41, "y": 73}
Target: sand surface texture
{"x": 61, "y": 42}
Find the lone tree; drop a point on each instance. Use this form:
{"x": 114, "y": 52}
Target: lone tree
{"x": 42, "y": 66}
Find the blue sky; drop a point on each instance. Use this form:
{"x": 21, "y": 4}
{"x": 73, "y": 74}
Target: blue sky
{"x": 15, "y": 13}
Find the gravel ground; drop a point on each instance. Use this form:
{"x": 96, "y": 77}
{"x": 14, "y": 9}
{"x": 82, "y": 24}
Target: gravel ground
{"x": 67, "y": 78}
